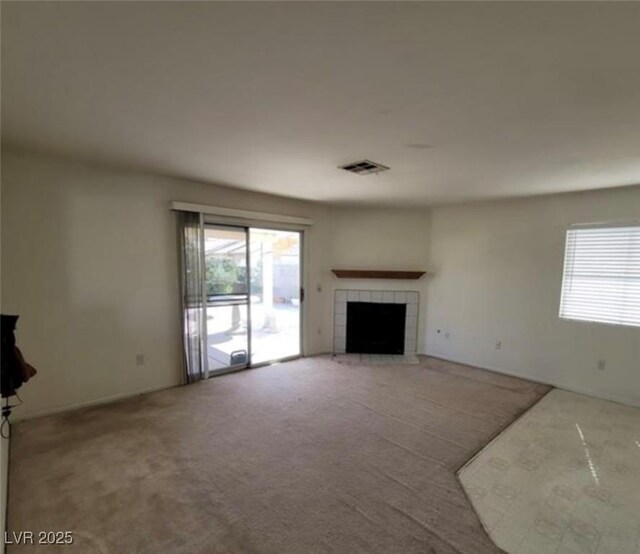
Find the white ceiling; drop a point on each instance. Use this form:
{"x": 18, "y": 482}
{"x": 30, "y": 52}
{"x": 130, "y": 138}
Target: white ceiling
{"x": 462, "y": 100}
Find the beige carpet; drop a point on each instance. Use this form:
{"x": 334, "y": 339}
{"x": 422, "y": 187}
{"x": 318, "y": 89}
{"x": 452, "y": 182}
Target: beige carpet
{"x": 305, "y": 457}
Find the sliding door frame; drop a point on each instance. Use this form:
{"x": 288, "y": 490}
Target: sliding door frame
{"x": 238, "y": 367}
{"x": 303, "y": 293}
{"x": 224, "y": 221}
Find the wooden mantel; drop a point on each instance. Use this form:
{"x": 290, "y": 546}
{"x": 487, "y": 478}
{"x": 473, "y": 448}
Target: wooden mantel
{"x": 376, "y": 274}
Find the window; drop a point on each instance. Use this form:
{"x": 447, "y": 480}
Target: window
{"x": 601, "y": 279}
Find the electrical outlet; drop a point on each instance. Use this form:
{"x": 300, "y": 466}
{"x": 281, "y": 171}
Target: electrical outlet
{"x": 602, "y": 365}
{"x": 139, "y": 359}
{"x": 499, "y": 345}
{"x": 447, "y": 335}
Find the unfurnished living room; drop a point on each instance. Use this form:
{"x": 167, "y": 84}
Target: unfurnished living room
{"x": 320, "y": 277}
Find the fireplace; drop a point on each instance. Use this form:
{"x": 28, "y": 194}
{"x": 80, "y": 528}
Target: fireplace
{"x": 375, "y": 322}
{"x": 375, "y": 328}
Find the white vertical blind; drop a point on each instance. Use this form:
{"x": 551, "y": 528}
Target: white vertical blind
{"x": 601, "y": 279}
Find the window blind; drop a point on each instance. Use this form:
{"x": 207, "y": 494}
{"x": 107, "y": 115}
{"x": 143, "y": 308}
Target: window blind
{"x": 601, "y": 280}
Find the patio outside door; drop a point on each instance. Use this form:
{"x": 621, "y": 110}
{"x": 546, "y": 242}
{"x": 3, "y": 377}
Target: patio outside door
{"x": 275, "y": 287}
{"x": 253, "y": 292}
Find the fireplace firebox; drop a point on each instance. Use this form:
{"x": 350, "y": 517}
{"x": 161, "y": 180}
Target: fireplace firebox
{"x": 375, "y": 328}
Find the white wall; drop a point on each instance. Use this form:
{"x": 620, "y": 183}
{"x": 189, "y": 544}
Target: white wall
{"x": 498, "y": 277}
{"x": 89, "y": 262}
{"x": 396, "y": 239}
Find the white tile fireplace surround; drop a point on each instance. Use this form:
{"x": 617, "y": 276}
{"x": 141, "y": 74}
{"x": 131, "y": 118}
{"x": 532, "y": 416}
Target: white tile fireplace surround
{"x": 342, "y": 297}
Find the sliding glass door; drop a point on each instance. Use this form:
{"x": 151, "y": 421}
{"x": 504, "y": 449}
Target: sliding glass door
{"x": 253, "y": 296}
{"x": 227, "y": 296}
{"x": 274, "y": 257}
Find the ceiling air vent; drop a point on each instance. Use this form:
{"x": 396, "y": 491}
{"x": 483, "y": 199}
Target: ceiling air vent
{"x": 364, "y": 167}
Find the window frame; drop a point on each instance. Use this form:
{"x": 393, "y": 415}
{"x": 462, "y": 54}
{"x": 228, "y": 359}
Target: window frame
{"x": 565, "y": 265}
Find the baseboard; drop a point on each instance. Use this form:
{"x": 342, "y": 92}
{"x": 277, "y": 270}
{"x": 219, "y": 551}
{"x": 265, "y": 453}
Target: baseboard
{"x": 559, "y": 385}
{"x": 104, "y": 400}
{"x": 556, "y": 384}
{"x": 88, "y": 403}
